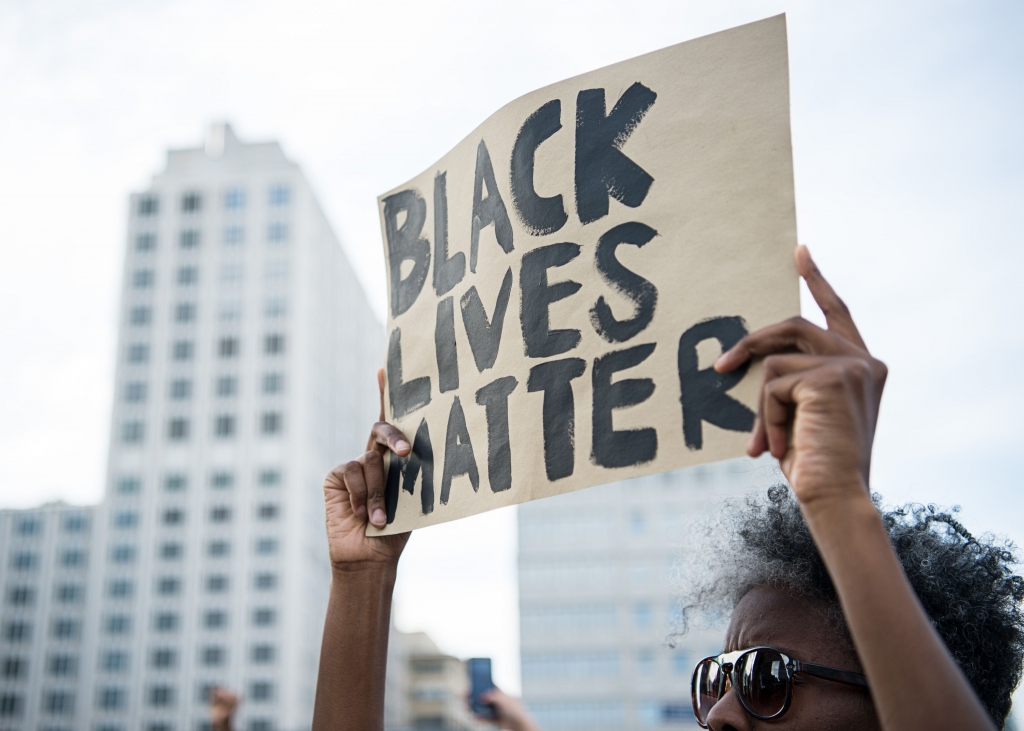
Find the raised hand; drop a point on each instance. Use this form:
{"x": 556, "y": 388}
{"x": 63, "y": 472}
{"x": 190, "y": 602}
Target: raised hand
{"x": 354, "y": 496}
{"x": 819, "y": 401}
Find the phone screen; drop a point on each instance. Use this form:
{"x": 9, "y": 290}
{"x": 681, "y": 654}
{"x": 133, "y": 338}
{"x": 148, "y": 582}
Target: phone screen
{"x": 480, "y": 682}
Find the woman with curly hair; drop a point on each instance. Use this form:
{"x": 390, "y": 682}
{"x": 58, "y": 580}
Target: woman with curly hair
{"x": 843, "y": 616}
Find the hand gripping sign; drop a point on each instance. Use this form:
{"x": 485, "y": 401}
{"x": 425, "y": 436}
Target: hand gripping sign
{"x": 562, "y": 281}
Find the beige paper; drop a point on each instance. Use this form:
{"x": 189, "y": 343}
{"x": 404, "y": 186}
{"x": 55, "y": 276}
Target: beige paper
{"x": 662, "y": 187}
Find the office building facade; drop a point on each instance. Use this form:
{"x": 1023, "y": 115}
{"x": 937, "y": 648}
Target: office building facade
{"x": 596, "y": 603}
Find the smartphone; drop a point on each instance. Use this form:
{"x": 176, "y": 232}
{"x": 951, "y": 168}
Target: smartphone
{"x": 479, "y": 683}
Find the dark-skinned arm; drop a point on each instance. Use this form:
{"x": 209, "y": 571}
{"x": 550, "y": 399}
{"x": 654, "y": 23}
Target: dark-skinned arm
{"x": 818, "y": 409}
{"x": 353, "y": 656}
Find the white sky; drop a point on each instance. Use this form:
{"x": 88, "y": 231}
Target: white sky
{"x": 908, "y": 153}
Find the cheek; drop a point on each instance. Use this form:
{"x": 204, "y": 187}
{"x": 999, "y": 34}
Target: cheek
{"x": 815, "y": 706}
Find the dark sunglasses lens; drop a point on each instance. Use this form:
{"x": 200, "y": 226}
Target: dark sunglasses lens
{"x": 762, "y": 681}
{"x": 707, "y": 679}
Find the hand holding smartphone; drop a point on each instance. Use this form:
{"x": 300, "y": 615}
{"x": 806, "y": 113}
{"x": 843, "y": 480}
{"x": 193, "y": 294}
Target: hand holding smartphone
{"x": 480, "y": 682}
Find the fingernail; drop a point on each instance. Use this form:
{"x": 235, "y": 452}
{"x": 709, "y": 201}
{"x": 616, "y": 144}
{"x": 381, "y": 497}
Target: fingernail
{"x": 378, "y": 517}
{"x": 401, "y": 444}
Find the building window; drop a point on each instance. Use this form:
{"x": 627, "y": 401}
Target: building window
{"x": 212, "y": 656}
{"x": 224, "y": 425}
{"x": 74, "y": 558}
{"x": 643, "y": 615}
{"x": 265, "y": 581}
{"x": 277, "y": 232}
{"x": 181, "y": 389}
{"x": 645, "y": 662}
{"x": 174, "y": 516}
{"x": 165, "y": 622}
{"x": 135, "y": 392}
{"x": 23, "y": 561}
{"x": 261, "y": 691}
{"x": 17, "y": 631}
{"x": 273, "y": 344}
{"x": 148, "y": 205}
{"x": 132, "y": 432}
{"x": 129, "y": 485}
{"x": 168, "y": 586}
{"x": 62, "y": 666}
{"x": 114, "y": 661}
{"x": 220, "y": 514}
{"x": 125, "y": 519}
{"x": 66, "y": 629}
{"x": 21, "y": 596}
{"x": 271, "y": 422}
{"x": 228, "y": 347}
{"x": 273, "y": 382}
{"x": 263, "y": 654}
{"x": 234, "y": 198}
{"x": 14, "y": 668}
{"x": 218, "y": 549}
{"x": 187, "y": 276}
{"x": 189, "y": 239}
{"x": 230, "y": 311}
{"x": 161, "y": 696}
{"x": 175, "y": 482}
{"x": 264, "y": 617}
{"x": 222, "y": 480}
{"x": 140, "y": 315}
{"x": 11, "y": 705}
{"x": 276, "y": 270}
{"x": 120, "y": 589}
{"x": 182, "y": 350}
{"x": 234, "y": 235}
{"x": 138, "y": 353}
{"x": 163, "y": 658}
{"x": 122, "y": 554}
{"x": 231, "y": 273}
{"x": 177, "y": 430}
{"x": 142, "y": 278}
{"x": 275, "y": 307}
{"x": 145, "y": 242}
{"x": 266, "y": 546}
{"x": 215, "y": 619}
{"x": 279, "y": 195}
{"x": 170, "y": 551}
{"x": 59, "y": 702}
{"x": 216, "y": 583}
{"x": 267, "y": 511}
{"x": 682, "y": 664}
{"x": 118, "y": 624}
{"x": 29, "y": 526}
{"x": 76, "y": 523}
{"x": 111, "y": 699}
{"x": 184, "y": 312}
{"x": 270, "y": 478}
{"x": 191, "y": 202}
{"x": 227, "y": 386}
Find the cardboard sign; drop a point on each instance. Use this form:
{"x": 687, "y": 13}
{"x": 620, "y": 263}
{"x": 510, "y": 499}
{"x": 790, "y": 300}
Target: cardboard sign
{"x": 561, "y": 282}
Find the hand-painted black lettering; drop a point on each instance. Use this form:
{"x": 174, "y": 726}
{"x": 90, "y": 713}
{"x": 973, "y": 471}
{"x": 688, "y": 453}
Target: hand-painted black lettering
{"x": 540, "y": 216}
{"x": 489, "y": 209}
{"x": 405, "y": 243}
{"x": 632, "y": 285}
{"x": 405, "y": 397}
{"x": 408, "y": 467}
{"x": 494, "y": 398}
{"x": 458, "y": 452}
{"x": 537, "y": 295}
{"x": 626, "y": 447}
{"x": 485, "y": 335}
{"x": 602, "y": 170}
{"x": 448, "y": 271}
{"x": 444, "y": 346}
{"x": 559, "y": 412}
{"x": 704, "y": 396}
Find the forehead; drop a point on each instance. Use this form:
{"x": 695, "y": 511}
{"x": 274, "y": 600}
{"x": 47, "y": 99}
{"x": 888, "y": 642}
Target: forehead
{"x": 794, "y": 624}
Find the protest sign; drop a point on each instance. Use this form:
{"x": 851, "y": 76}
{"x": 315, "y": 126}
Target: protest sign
{"x": 560, "y": 283}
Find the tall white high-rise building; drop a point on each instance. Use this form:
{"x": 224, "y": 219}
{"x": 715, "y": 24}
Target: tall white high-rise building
{"x": 596, "y": 598}
{"x": 245, "y": 371}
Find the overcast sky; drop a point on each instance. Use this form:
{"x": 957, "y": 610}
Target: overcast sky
{"x": 907, "y": 139}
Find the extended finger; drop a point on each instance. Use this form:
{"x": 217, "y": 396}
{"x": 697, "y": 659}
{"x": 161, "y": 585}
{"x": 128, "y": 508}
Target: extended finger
{"x": 837, "y": 314}
{"x": 355, "y": 483}
{"x": 387, "y": 436}
{"x": 380, "y": 385}
{"x": 795, "y": 333}
{"x": 373, "y": 475}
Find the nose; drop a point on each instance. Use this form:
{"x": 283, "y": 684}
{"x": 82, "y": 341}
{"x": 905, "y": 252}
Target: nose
{"x": 728, "y": 715}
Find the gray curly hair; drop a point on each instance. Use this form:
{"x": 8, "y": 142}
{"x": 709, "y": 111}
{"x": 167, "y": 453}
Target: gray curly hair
{"x": 965, "y": 584}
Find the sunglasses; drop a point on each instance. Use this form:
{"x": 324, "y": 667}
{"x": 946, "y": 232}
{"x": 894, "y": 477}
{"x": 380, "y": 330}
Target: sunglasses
{"x": 762, "y": 678}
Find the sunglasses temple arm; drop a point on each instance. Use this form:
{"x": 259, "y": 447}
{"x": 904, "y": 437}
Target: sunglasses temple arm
{"x": 823, "y": 671}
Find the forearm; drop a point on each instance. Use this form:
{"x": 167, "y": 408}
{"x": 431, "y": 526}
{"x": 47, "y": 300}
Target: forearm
{"x": 915, "y": 683}
{"x": 353, "y": 656}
